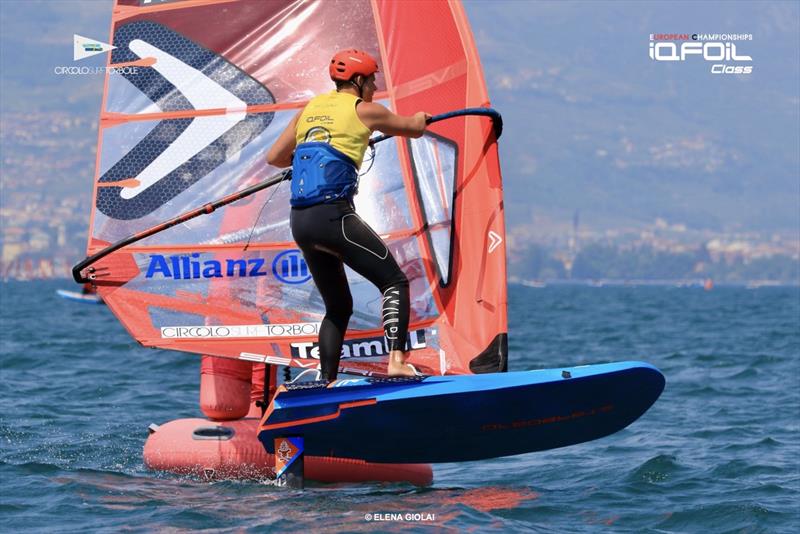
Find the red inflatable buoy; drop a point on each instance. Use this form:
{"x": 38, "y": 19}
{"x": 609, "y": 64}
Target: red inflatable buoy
{"x": 226, "y": 445}
{"x": 231, "y": 450}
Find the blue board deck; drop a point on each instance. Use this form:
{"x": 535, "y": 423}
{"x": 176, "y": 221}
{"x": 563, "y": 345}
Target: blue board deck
{"x": 464, "y": 417}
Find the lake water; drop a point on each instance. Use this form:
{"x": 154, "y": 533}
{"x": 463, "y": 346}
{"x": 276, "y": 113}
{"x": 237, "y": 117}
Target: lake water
{"x": 718, "y": 452}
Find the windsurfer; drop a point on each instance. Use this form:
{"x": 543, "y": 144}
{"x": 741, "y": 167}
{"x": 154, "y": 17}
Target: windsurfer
{"x": 325, "y": 144}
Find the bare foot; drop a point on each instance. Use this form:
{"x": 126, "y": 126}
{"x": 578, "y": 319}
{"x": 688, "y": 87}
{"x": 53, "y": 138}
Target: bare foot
{"x": 398, "y": 365}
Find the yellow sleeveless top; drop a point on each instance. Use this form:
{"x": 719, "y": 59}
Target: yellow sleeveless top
{"x": 331, "y": 118}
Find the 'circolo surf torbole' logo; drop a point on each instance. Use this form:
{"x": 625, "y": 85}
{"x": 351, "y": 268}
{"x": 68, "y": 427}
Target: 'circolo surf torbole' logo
{"x": 288, "y": 267}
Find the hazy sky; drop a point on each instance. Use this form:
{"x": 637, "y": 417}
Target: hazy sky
{"x": 592, "y": 122}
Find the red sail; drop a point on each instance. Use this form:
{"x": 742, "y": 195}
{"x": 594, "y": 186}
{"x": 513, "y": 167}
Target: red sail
{"x": 203, "y": 90}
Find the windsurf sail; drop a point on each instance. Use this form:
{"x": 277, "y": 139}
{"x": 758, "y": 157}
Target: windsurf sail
{"x": 201, "y": 90}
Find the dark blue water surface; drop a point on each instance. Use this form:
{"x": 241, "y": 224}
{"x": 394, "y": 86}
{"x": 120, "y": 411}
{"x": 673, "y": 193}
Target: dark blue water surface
{"x": 717, "y": 453}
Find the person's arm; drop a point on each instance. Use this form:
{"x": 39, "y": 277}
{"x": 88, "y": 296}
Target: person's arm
{"x": 280, "y": 153}
{"x": 376, "y": 117}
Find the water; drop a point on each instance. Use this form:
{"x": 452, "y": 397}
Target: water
{"x": 718, "y": 451}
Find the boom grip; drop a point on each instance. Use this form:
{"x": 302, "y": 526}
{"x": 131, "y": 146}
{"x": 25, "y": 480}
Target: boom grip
{"x": 497, "y": 120}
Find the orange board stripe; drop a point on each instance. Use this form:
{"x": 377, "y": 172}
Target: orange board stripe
{"x": 311, "y": 420}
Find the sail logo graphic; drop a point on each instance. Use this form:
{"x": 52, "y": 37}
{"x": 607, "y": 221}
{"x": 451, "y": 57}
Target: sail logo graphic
{"x": 495, "y": 241}
{"x": 178, "y": 74}
{"x": 290, "y": 267}
{"x": 360, "y": 347}
{"x": 245, "y": 330}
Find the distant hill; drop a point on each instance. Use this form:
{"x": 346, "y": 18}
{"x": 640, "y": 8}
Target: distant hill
{"x": 592, "y": 124}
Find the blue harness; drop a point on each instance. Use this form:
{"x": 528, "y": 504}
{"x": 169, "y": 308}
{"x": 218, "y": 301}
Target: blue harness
{"x": 321, "y": 174}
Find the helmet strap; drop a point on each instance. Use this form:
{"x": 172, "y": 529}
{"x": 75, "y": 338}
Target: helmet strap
{"x": 359, "y": 87}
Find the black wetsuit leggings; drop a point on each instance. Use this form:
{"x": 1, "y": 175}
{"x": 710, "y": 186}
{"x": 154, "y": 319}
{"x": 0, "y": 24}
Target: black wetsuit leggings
{"x": 331, "y": 235}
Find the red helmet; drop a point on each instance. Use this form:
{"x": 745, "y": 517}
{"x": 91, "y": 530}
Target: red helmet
{"x": 347, "y": 63}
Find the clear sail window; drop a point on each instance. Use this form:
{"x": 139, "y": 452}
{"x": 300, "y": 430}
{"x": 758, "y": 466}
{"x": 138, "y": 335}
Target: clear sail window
{"x": 434, "y": 162}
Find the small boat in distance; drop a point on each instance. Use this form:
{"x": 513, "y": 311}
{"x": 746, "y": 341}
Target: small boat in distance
{"x": 87, "y": 295}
